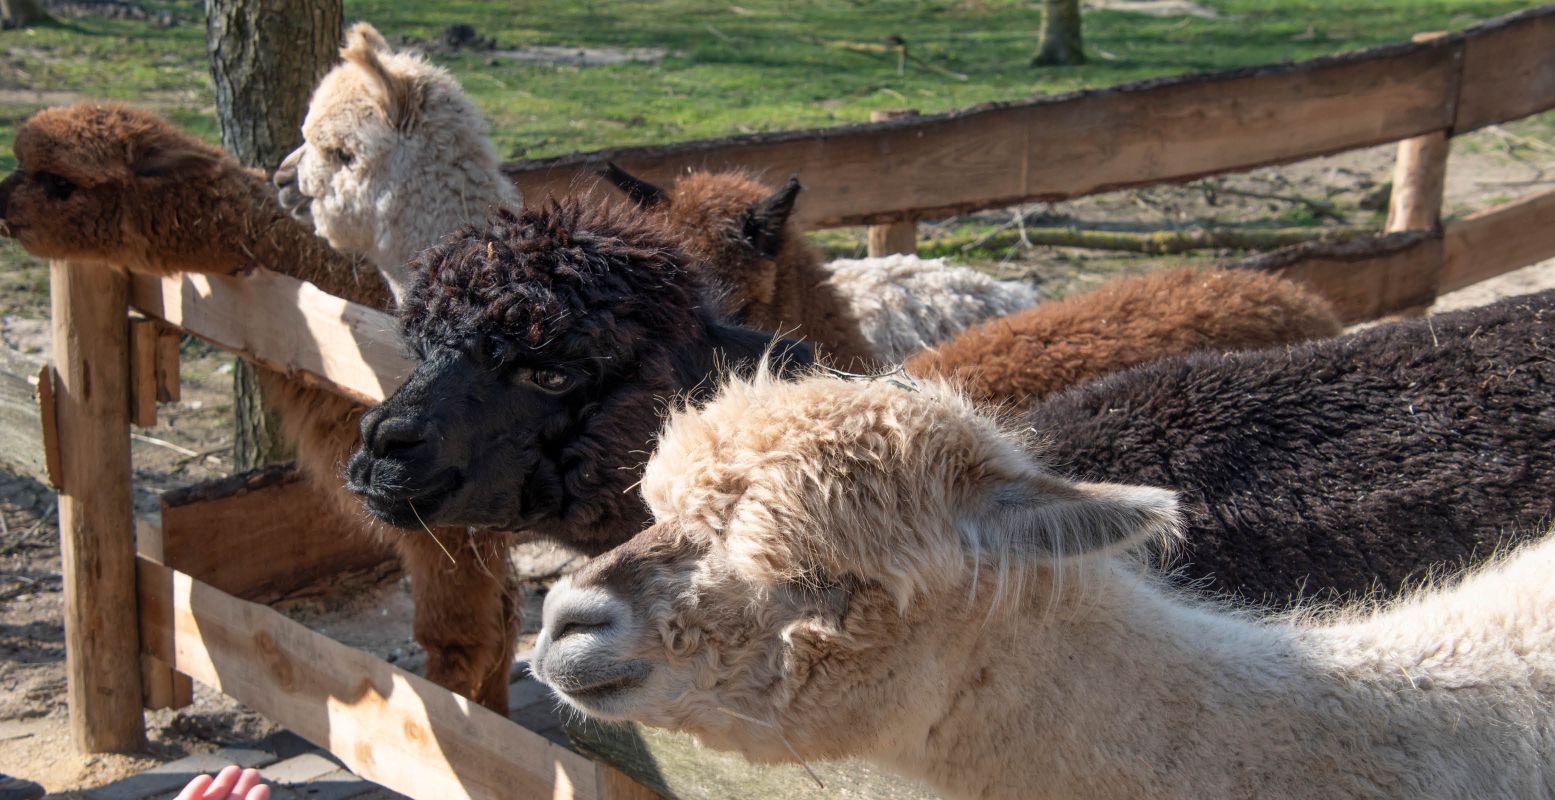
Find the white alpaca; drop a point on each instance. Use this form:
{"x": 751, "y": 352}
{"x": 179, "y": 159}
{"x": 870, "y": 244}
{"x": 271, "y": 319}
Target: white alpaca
{"x": 860, "y": 569}
{"x": 395, "y": 157}
{"x": 904, "y": 303}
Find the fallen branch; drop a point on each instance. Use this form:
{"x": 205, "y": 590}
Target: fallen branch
{"x": 1147, "y": 242}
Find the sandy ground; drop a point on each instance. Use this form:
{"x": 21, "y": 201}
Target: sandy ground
{"x": 193, "y": 440}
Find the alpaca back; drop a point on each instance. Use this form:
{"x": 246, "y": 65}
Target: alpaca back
{"x": 1344, "y": 465}
{"x": 904, "y": 303}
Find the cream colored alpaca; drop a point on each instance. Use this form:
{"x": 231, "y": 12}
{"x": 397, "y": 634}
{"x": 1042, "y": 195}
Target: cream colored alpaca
{"x": 395, "y": 157}
{"x": 859, "y": 569}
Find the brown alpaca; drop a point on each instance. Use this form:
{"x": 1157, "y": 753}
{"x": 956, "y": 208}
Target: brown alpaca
{"x": 767, "y": 276}
{"x": 121, "y": 187}
{"x": 1031, "y": 354}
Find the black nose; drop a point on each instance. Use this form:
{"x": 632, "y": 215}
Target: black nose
{"x": 384, "y": 434}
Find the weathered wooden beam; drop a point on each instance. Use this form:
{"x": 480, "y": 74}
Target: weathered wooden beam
{"x": 210, "y": 531}
{"x": 286, "y": 325}
{"x": 168, "y": 381}
{"x": 1419, "y": 177}
{"x": 1499, "y": 239}
{"x": 385, "y": 724}
{"x": 1508, "y": 70}
{"x": 143, "y": 371}
{"x": 97, "y": 537}
{"x": 1364, "y": 278}
{"x": 1062, "y": 147}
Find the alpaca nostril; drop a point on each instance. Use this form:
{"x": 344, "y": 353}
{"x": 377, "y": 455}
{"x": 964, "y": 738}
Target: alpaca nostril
{"x": 393, "y": 436}
{"x": 588, "y": 617}
{"x": 569, "y": 628}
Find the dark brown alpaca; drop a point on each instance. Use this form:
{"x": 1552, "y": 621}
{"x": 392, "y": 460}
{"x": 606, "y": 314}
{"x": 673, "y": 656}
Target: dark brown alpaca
{"x": 754, "y": 261}
{"x": 121, "y": 187}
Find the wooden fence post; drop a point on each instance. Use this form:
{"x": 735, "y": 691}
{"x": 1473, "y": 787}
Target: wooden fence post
{"x": 1419, "y": 177}
{"x": 900, "y": 236}
{"x": 97, "y": 540}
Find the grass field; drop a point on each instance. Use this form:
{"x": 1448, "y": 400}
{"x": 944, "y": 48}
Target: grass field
{"x": 751, "y": 66}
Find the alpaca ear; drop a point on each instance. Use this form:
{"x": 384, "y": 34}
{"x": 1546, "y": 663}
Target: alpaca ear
{"x": 762, "y": 223}
{"x": 1044, "y": 516}
{"x": 175, "y": 160}
{"x": 363, "y": 36}
{"x": 744, "y": 348}
{"x": 400, "y": 95}
{"x": 643, "y": 193}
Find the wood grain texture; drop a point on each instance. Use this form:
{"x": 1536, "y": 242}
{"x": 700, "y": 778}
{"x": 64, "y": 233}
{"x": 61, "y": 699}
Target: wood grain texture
{"x": 1499, "y": 240}
{"x": 1057, "y": 148}
{"x": 385, "y": 724}
{"x": 1364, "y": 279}
{"x": 1419, "y": 178}
{"x": 143, "y": 372}
{"x": 169, "y": 385}
{"x": 1508, "y": 70}
{"x": 286, "y": 325}
{"x": 212, "y": 530}
{"x": 97, "y": 539}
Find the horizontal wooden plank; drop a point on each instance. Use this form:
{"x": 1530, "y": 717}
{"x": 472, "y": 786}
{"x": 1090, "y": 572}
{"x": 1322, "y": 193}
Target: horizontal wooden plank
{"x": 1063, "y": 147}
{"x": 387, "y": 725}
{"x": 211, "y": 530}
{"x": 285, "y": 324}
{"x": 1508, "y": 70}
{"x": 1363, "y": 278}
{"x": 1498, "y": 240}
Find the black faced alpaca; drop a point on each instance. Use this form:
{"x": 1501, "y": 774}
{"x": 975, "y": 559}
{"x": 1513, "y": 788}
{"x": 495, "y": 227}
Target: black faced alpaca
{"x": 550, "y": 344}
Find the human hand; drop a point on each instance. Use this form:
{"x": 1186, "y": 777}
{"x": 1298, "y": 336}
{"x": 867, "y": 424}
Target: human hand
{"x": 229, "y": 784}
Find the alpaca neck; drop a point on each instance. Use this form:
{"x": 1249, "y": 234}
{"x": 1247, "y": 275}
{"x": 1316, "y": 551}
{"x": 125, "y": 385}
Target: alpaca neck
{"x": 425, "y": 211}
{"x": 1109, "y": 688}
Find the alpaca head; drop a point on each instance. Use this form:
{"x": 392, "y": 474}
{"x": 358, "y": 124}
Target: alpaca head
{"x": 805, "y": 538}
{"x": 87, "y": 177}
{"x": 395, "y": 155}
{"x": 549, "y": 344}
{"x": 733, "y": 224}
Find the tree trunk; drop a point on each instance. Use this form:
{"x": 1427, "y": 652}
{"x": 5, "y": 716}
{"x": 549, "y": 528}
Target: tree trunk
{"x": 21, "y": 13}
{"x": 266, "y": 57}
{"x": 1061, "y": 43}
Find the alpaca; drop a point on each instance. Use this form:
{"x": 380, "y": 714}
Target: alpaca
{"x": 1343, "y": 466}
{"x": 395, "y": 156}
{"x": 874, "y": 309}
{"x": 851, "y": 569}
{"x": 113, "y": 185}
{"x": 1031, "y": 354}
{"x": 549, "y": 343}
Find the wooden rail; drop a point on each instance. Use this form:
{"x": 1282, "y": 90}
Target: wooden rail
{"x": 1158, "y": 131}
{"x": 387, "y": 725}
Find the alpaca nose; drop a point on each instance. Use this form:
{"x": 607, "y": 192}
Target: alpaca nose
{"x": 570, "y": 612}
{"x": 286, "y": 174}
{"x": 383, "y": 433}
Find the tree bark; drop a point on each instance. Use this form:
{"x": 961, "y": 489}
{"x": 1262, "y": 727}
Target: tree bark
{"x": 1060, "y": 44}
{"x": 266, "y": 57}
{"x": 22, "y": 13}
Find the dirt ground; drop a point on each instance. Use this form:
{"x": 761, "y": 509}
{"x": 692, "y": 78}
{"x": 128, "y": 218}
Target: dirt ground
{"x": 192, "y": 442}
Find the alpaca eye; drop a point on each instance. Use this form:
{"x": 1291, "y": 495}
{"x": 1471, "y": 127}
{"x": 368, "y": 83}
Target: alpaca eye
{"x": 54, "y": 186}
{"x": 344, "y": 156}
{"x": 551, "y": 380}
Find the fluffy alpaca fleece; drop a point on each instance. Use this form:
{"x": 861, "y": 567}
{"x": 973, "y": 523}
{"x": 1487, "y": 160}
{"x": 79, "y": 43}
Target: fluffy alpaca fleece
{"x": 395, "y": 156}
{"x": 122, "y": 187}
{"x": 113, "y": 184}
{"x": 1345, "y": 465}
{"x": 905, "y": 303}
{"x": 1134, "y": 320}
{"x": 849, "y": 569}
{"x": 754, "y": 261}
{"x": 857, "y": 310}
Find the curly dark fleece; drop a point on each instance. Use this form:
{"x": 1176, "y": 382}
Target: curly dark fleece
{"x": 1351, "y": 465}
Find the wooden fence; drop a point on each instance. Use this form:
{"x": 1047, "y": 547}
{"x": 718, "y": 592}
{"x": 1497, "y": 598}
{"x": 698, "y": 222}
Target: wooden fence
{"x": 399, "y": 730}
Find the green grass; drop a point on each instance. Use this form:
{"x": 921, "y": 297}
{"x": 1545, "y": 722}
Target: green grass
{"x": 757, "y": 65}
